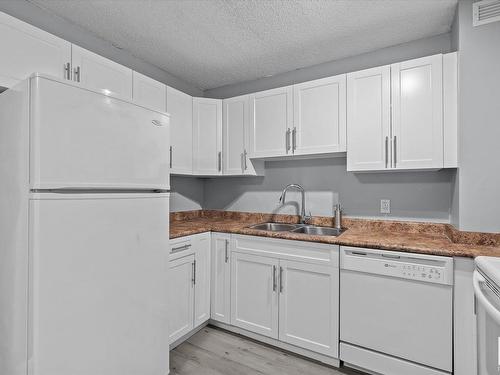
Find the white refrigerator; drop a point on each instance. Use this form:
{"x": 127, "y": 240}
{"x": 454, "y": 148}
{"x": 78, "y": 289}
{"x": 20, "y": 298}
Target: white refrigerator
{"x": 84, "y": 208}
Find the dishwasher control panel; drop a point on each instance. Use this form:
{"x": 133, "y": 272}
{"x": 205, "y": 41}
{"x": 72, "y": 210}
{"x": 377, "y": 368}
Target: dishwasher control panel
{"x": 421, "y": 267}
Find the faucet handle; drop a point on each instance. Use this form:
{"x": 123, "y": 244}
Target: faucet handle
{"x": 308, "y": 218}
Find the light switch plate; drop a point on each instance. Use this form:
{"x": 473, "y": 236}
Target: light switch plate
{"x": 385, "y": 206}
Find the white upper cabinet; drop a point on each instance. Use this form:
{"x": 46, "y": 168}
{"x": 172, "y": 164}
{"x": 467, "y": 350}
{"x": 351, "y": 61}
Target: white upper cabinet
{"x": 271, "y": 122}
{"x": 180, "y": 108}
{"x": 319, "y": 116}
{"x": 235, "y": 138}
{"x": 235, "y": 120}
{"x": 27, "y": 49}
{"x": 100, "y": 73}
{"x": 417, "y": 113}
{"x": 368, "y": 119}
{"x": 207, "y": 136}
{"x": 149, "y": 92}
{"x": 395, "y": 116}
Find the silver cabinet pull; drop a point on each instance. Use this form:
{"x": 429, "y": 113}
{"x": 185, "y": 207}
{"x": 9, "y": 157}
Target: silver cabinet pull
{"x": 245, "y": 159}
{"x": 180, "y": 248}
{"x": 386, "y": 151}
{"x": 241, "y": 162}
{"x": 274, "y": 278}
{"x": 170, "y": 157}
{"x": 294, "y": 139}
{"x": 287, "y": 140}
{"x": 226, "y": 251}
{"x": 219, "y": 161}
{"x": 77, "y": 74}
{"x": 67, "y": 71}
{"x": 395, "y": 151}
{"x": 281, "y": 279}
{"x": 194, "y": 272}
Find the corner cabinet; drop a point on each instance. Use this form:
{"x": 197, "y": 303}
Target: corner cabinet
{"x": 207, "y": 136}
{"x": 319, "y": 120}
{"x": 271, "y": 122}
{"x": 395, "y": 116}
{"x": 180, "y": 108}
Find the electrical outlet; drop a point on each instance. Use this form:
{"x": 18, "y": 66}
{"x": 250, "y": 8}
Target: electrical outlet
{"x": 385, "y": 206}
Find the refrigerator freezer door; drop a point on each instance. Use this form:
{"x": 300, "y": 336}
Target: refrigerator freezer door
{"x": 98, "y": 285}
{"x": 85, "y": 139}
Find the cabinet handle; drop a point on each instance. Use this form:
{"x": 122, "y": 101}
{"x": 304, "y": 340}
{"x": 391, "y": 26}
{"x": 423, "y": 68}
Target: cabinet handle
{"x": 77, "y": 74}
{"x": 294, "y": 139}
{"x": 180, "y": 248}
{"x": 245, "y": 159}
{"x": 194, "y": 272}
{"x": 274, "y": 278}
{"x": 67, "y": 71}
{"x": 227, "y": 251}
{"x": 386, "y": 151}
{"x": 170, "y": 157}
{"x": 394, "y": 151}
{"x": 241, "y": 162}
{"x": 281, "y": 279}
{"x": 219, "y": 161}
{"x": 287, "y": 140}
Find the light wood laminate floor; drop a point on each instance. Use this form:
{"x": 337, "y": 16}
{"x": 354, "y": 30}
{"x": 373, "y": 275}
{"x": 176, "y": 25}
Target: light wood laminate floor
{"x": 212, "y": 351}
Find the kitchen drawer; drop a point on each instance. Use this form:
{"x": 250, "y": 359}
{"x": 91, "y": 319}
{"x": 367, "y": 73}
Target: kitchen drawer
{"x": 181, "y": 247}
{"x": 310, "y": 252}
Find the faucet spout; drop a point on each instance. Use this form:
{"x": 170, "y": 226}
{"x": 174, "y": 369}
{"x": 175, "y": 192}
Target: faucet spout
{"x": 302, "y": 191}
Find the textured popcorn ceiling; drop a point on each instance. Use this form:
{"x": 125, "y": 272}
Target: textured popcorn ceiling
{"x": 212, "y": 43}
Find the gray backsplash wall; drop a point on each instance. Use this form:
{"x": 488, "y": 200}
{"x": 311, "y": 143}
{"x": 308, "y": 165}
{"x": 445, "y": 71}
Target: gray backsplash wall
{"x": 187, "y": 193}
{"x": 413, "y": 195}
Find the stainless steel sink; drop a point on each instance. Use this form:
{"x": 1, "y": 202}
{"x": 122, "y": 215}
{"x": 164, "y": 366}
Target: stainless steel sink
{"x": 317, "y": 231}
{"x": 297, "y": 228}
{"x": 275, "y": 227}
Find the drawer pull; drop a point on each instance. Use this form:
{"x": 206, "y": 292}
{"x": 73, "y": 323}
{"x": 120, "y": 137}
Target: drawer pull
{"x": 180, "y": 248}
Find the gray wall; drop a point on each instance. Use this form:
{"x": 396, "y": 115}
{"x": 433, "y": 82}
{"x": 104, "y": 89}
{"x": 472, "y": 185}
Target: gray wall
{"x": 478, "y": 180}
{"x": 415, "y": 195}
{"x": 44, "y": 20}
{"x": 187, "y": 193}
{"x": 418, "y": 48}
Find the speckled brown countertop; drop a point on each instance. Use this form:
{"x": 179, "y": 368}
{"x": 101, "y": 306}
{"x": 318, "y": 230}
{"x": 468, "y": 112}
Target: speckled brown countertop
{"x": 427, "y": 238}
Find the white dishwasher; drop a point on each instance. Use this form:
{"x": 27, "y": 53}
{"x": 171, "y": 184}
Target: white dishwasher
{"x": 396, "y": 312}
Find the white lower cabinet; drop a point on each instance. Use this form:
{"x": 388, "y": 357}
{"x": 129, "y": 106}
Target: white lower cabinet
{"x": 189, "y": 284}
{"x": 181, "y": 297}
{"x": 308, "y": 305}
{"x": 221, "y": 278}
{"x": 286, "y": 290}
{"x": 254, "y": 294}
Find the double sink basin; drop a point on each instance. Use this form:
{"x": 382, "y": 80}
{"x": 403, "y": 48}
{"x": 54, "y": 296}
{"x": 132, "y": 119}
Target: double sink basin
{"x": 298, "y": 228}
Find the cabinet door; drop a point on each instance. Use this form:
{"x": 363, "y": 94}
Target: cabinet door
{"x": 220, "y": 283}
{"x": 254, "y": 294}
{"x": 181, "y": 296}
{"x": 207, "y": 136}
{"x": 368, "y": 119}
{"x": 27, "y": 49}
{"x": 100, "y": 73}
{"x": 202, "y": 279}
{"x": 235, "y": 118}
{"x": 320, "y": 116}
{"x": 417, "y": 113}
{"x": 309, "y": 304}
{"x": 180, "y": 109}
{"x": 149, "y": 92}
{"x": 271, "y": 122}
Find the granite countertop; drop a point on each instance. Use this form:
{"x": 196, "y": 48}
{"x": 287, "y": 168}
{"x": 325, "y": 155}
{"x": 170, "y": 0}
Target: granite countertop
{"x": 426, "y": 238}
